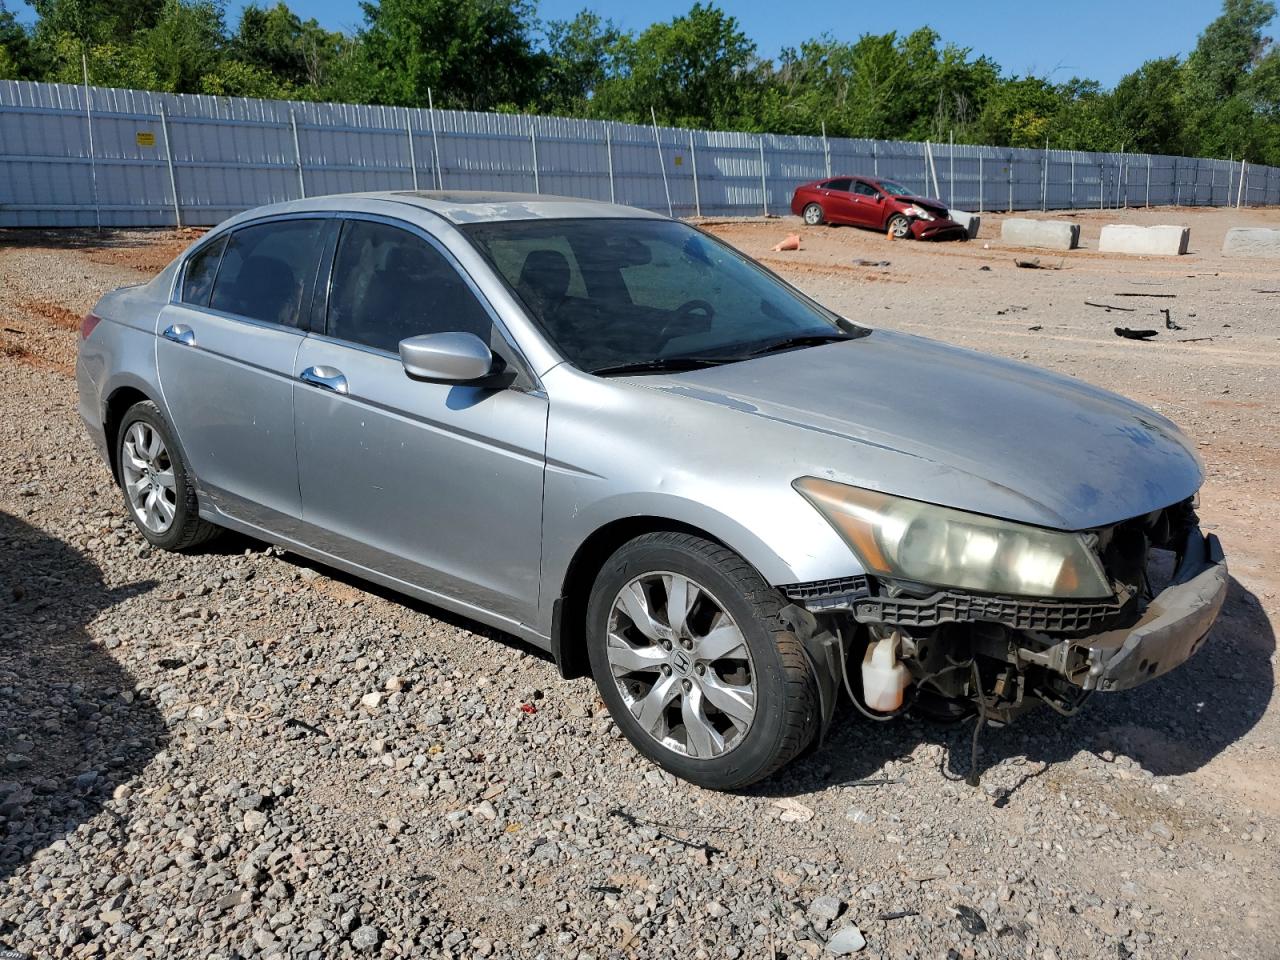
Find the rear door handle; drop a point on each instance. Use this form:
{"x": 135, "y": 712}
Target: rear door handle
{"x": 326, "y": 378}
{"x": 180, "y": 333}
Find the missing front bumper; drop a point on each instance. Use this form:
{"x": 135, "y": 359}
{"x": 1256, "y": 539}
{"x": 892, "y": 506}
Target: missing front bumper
{"x": 1171, "y": 630}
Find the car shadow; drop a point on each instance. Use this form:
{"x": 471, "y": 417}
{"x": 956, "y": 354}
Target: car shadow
{"x": 73, "y": 726}
{"x": 1173, "y": 725}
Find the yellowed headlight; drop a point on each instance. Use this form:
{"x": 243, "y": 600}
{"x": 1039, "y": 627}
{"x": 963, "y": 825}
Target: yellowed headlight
{"x": 910, "y": 540}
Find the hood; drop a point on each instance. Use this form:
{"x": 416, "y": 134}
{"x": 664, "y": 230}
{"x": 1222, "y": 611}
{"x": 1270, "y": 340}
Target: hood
{"x": 926, "y": 420}
{"x": 936, "y": 207}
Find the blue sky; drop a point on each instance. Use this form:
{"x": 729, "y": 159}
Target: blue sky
{"x": 1099, "y": 39}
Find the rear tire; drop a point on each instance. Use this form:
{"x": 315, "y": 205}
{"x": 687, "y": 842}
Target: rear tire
{"x": 720, "y": 694}
{"x": 813, "y": 215}
{"x": 158, "y": 492}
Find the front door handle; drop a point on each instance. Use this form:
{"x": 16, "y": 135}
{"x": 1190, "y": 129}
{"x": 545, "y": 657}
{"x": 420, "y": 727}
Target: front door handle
{"x": 327, "y": 378}
{"x": 180, "y": 333}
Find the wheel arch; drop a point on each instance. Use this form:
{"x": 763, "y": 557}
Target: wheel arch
{"x": 568, "y": 617}
{"x": 114, "y": 407}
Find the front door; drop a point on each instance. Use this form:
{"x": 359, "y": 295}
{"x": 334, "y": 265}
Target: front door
{"x": 868, "y": 205}
{"x": 225, "y": 358}
{"x": 436, "y": 485}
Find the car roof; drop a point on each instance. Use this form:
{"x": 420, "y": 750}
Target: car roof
{"x": 465, "y": 206}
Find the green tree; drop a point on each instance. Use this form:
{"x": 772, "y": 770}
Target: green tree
{"x": 275, "y": 46}
{"x": 18, "y": 60}
{"x": 580, "y": 54}
{"x": 472, "y": 54}
{"x": 1147, "y": 105}
{"x": 698, "y": 69}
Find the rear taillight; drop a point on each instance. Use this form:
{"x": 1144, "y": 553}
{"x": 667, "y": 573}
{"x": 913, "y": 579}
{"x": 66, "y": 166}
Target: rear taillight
{"x": 87, "y": 324}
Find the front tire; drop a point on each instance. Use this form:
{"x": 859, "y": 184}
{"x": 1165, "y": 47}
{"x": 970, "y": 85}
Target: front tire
{"x": 900, "y": 226}
{"x": 694, "y": 664}
{"x": 158, "y": 492}
{"x": 813, "y": 215}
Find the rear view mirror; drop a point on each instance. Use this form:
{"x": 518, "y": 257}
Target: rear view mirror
{"x": 446, "y": 357}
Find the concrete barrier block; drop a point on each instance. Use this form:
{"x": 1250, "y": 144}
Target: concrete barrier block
{"x": 1160, "y": 241}
{"x": 970, "y": 221}
{"x": 1050, "y": 234}
{"x": 1252, "y": 242}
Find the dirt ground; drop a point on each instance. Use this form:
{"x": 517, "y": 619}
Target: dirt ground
{"x": 1146, "y": 826}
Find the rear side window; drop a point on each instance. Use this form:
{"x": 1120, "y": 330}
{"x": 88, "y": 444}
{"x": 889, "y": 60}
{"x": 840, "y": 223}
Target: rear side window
{"x": 266, "y": 269}
{"x": 201, "y": 269}
{"x": 389, "y": 285}
{"x": 842, "y": 185}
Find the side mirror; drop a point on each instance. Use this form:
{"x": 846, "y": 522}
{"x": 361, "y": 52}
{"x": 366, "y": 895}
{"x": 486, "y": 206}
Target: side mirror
{"x": 446, "y": 357}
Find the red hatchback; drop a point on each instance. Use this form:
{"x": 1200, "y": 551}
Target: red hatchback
{"x": 879, "y": 204}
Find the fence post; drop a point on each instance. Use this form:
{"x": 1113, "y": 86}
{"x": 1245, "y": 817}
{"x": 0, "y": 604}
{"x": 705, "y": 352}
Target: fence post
{"x": 1177, "y": 185}
{"x": 413, "y": 159}
{"x": 875, "y": 159}
{"x": 1073, "y": 180}
{"x": 93, "y": 161}
{"x": 951, "y": 169}
{"x": 608, "y": 149}
{"x": 435, "y": 143}
{"x": 533, "y": 142}
{"x": 1240, "y": 189}
{"x": 826, "y": 149}
{"x": 764, "y": 187}
{"x": 168, "y": 157}
{"x": 1044, "y": 181}
{"x": 1148, "y": 180}
{"x": 693, "y": 159}
{"x": 662, "y": 165}
{"x": 1010, "y": 210}
{"x": 297, "y": 154}
{"x": 980, "y": 184}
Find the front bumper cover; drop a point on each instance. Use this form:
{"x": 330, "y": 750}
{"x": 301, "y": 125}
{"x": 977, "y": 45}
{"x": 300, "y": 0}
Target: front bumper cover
{"x": 1172, "y": 628}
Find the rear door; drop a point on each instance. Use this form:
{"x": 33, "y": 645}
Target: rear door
{"x": 225, "y": 358}
{"x": 837, "y": 202}
{"x": 437, "y": 485}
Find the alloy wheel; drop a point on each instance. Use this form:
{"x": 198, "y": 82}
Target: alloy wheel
{"x": 149, "y": 480}
{"x": 813, "y": 214}
{"x": 681, "y": 664}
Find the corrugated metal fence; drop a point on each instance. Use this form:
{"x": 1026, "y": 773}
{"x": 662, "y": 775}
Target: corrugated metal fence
{"x": 135, "y": 158}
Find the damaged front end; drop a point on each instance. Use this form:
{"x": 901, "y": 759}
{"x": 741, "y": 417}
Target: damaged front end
{"x": 964, "y": 652}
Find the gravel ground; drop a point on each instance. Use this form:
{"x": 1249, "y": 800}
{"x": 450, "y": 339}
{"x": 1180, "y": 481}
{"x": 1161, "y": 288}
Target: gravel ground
{"x": 237, "y": 754}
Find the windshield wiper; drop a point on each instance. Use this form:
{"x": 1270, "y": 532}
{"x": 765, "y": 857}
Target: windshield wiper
{"x": 662, "y": 364}
{"x": 792, "y": 343}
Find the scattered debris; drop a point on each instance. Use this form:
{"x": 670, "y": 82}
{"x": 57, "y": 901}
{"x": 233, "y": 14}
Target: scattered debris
{"x": 1168, "y": 321}
{"x": 528, "y": 708}
{"x": 897, "y": 915}
{"x": 790, "y": 242}
{"x": 1035, "y": 264}
{"x": 793, "y": 811}
{"x": 1011, "y": 309}
{"x": 988, "y": 269}
{"x": 1109, "y": 307}
{"x": 970, "y": 919}
{"x": 1169, "y": 296}
{"x": 1193, "y": 340}
{"x": 1135, "y": 334}
{"x": 846, "y": 940}
{"x": 1035, "y": 328}
{"x": 871, "y": 263}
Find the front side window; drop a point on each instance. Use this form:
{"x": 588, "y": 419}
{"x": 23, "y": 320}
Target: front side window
{"x": 389, "y": 285}
{"x": 201, "y": 269}
{"x": 266, "y": 268}
{"x": 865, "y": 189}
{"x": 612, "y": 293}
{"x": 895, "y": 189}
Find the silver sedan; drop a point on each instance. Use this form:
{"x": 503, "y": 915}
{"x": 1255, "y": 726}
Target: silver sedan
{"x": 609, "y": 434}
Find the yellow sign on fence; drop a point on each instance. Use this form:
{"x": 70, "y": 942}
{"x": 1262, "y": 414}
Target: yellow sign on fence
{"x": 145, "y": 138}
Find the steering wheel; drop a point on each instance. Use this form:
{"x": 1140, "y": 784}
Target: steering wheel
{"x": 688, "y": 311}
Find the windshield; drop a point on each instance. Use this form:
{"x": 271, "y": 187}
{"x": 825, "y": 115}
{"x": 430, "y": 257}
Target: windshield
{"x": 629, "y": 292}
{"x": 894, "y": 189}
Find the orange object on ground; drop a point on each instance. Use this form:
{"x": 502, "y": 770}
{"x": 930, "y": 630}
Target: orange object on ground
{"x": 792, "y": 242}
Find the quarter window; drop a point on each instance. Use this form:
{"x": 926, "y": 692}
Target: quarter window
{"x": 201, "y": 269}
{"x": 389, "y": 285}
{"x": 266, "y": 269}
